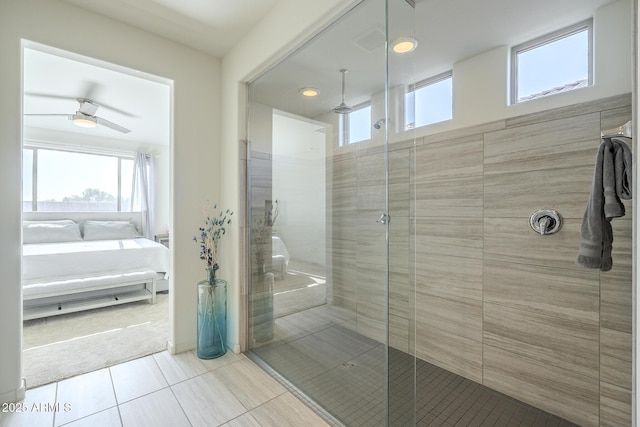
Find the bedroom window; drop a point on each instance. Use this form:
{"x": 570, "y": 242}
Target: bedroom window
{"x": 65, "y": 181}
{"x": 429, "y": 101}
{"x": 356, "y": 126}
{"x": 552, "y": 64}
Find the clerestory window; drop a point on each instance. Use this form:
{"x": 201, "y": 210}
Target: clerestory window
{"x": 558, "y": 62}
{"x": 429, "y": 101}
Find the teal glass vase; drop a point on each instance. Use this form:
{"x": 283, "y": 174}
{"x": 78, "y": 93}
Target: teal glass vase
{"x": 212, "y": 318}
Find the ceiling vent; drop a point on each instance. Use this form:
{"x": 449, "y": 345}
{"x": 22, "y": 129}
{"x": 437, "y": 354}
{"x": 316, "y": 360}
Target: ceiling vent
{"x": 371, "y": 39}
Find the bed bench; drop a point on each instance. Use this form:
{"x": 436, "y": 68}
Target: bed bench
{"x": 71, "y": 294}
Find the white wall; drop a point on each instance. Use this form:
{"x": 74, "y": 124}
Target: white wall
{"x": 299, "y": 183}
{"x": 194, "y": 156}
{"x": 261, "y": 127}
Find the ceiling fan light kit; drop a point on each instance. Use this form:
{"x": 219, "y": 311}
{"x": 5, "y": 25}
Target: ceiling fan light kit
{"x": 84, "y": 121}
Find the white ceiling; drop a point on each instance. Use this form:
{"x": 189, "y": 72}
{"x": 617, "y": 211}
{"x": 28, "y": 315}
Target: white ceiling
{"x": 212, "y": 26}
{"x": 448, "y": 31}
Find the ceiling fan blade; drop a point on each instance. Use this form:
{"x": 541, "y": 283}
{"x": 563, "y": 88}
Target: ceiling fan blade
{"x": 90, "y": 89}
{"x": 50, "y": 115}
{"x": 105, "y": 106}
{"x": 116, "y": 110}
{"x": 112, "y": 125}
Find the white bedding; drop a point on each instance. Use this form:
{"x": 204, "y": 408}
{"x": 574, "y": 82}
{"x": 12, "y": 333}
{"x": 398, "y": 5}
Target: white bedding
{"x": 278, "y": 248}
{"x": 75, "y": 259}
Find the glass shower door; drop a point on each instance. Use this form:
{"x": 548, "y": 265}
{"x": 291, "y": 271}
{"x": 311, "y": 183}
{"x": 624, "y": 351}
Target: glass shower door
{"x": 330, "y": 304}
{"x": 401, "y": 365}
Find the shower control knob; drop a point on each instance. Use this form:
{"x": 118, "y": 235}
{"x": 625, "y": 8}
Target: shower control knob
{"x": 545, "y": 221}
{"x": 384, "y": 219}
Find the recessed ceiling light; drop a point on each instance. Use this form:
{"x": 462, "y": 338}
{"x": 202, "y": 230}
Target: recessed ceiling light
{"x": 404, "y": 44}
{"x": 309, "y": 92}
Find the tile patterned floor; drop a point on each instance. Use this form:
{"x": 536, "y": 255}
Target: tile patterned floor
{"x": 446, "y": 399}
{"x": 344, "y": 373}
{"x": 164, "y": 390}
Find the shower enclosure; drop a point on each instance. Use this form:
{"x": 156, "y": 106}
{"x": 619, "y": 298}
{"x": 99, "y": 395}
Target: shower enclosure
{"x": 394, "y": 278}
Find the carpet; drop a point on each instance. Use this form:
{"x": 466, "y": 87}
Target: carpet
{"x": 59, "y": 347}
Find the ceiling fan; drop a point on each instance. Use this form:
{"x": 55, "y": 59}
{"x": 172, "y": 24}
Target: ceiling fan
{"x": 85, "y": 116}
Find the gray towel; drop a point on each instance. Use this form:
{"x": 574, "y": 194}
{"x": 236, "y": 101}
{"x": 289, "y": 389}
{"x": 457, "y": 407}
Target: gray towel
{"x": 611, "y": 184}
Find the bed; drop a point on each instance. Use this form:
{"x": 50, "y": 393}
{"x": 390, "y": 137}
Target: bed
{"x": 78, "y": 264}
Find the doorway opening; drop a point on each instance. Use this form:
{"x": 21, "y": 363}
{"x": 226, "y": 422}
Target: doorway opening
{"x": 96, "y": 213}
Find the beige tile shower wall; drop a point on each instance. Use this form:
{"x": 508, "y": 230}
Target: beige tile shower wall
{"x": 358, "y": 248}
{"x": 546, "y": 338}
{"x": 494, "y": 301}
{"x": 342, "y": 251}
{"x": 448, "y": 218}
{"x": 400, "y": 262}
{"x": 533, "y": 349}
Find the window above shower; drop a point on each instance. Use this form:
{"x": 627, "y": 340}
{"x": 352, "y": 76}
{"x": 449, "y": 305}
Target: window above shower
{"x": 552, "y": 64}
{"x": 356, "y": 126}
{"x": 429, "y": 101}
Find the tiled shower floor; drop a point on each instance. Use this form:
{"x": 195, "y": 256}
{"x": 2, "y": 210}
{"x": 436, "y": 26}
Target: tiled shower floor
{"x": 344, "y": 373}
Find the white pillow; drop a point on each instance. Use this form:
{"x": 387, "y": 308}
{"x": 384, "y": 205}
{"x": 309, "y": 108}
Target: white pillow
{"x": 64, "y": 230}
{"x": 109, "y": 230}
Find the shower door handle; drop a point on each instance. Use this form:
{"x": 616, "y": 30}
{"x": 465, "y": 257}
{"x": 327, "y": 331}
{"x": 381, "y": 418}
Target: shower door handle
{"x": 384, "y": 219}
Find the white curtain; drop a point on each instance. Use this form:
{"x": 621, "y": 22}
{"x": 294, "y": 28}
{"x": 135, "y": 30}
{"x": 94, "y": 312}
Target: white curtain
{"x": 142, "y": 191}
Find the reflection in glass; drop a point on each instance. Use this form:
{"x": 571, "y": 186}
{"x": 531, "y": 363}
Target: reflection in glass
{"x": 319, "y": 284}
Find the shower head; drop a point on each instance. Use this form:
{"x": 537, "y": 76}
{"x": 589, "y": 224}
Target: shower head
{"x": 379, "y": 123}
{"x": 343, "y": 108}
